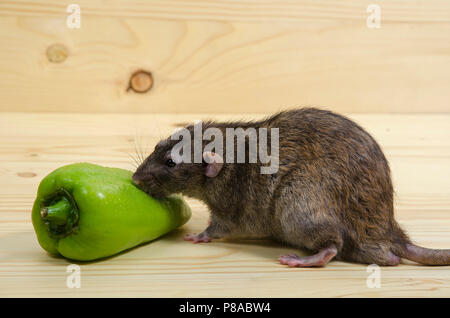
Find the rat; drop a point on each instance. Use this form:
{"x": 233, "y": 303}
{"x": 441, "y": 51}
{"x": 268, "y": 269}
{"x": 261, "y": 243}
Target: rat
{"x": 331, "y": 195}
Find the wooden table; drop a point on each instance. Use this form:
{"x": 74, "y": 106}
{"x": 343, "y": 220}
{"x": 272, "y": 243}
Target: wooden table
{"x": 33, "y": 144}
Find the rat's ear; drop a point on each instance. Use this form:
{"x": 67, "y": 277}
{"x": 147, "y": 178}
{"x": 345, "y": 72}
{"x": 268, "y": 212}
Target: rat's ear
{"x": 215, "y": 163}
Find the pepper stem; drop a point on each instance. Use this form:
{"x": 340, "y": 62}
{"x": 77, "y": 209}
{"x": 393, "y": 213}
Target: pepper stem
{"x": 57, "y": 213}
{"x": 60, "y": 214}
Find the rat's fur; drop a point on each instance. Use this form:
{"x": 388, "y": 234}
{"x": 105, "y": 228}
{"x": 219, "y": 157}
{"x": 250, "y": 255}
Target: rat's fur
{"x": 333, "y": 188}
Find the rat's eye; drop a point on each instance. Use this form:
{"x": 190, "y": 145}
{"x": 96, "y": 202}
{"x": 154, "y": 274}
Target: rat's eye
{"x": 170, "y": 163}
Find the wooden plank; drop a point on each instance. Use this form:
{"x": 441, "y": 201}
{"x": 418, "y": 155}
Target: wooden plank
{"x": 227, "y": 56}
{"x": 33, "y": 144}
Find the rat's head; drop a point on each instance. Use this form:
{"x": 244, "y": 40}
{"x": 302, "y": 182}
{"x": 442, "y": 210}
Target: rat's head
{"x": 163, "y": 173}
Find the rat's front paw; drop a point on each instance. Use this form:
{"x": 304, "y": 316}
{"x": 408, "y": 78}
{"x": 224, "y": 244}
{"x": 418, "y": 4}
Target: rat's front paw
{"x": 198, "y": 238}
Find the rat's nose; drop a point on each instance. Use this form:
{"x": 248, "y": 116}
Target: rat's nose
{"x": 136, "y": 180}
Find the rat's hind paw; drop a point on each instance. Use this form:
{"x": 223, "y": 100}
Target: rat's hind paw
{"x": 198, "y": 238}
{"x": 317, "y": 260}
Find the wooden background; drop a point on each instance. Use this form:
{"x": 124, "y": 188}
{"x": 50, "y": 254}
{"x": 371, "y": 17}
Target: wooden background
{"x": 227, "y": 56}
{"x": 33, "y": 144}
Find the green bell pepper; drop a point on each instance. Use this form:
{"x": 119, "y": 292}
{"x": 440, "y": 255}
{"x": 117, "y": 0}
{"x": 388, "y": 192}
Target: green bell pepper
{"x": 85, "y": 212}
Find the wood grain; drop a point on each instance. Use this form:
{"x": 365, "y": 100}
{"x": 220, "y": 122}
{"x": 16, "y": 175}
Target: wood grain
{"x": 227, "y": 56}
{"x": 33, "y": 144}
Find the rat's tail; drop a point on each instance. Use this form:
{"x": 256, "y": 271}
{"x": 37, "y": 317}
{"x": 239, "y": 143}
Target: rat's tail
{"x": 426, "y": 256}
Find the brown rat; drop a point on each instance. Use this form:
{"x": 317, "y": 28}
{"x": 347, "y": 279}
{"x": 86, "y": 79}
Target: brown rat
{"x": 332, "y": 193}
